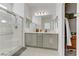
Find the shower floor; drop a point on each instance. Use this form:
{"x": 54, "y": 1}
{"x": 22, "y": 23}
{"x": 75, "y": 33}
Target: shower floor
{"x": 4, "y": 52}
{"x": 7, "y": 51}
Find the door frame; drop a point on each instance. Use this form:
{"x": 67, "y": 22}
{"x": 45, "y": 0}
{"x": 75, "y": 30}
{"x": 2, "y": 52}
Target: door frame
{"x": 61, "y": 17}
{"x": 77, "y": 24}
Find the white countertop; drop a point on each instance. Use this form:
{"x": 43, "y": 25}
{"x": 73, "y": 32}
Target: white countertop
{"x": 43, "y": 32}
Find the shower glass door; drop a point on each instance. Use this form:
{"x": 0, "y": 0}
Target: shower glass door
{"x": 11, "y": 33}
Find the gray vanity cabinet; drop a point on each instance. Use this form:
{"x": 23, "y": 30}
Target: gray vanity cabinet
{"x": 50, "y": 41}
{"x": 34, "y": 39}
{"x": 31, "y": 39}
{"x": 28, "y": 39}
{"x": 39, "y": 40}
{"x": 42, "y": 40}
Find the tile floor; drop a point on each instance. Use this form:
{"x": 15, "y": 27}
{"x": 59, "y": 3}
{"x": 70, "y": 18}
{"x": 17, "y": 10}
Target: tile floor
{"x": 30, "y": 51}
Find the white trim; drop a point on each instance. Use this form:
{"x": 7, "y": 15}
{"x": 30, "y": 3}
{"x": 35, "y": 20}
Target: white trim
{"x": 61, "y": 14}
{"x": 77, "y": 30}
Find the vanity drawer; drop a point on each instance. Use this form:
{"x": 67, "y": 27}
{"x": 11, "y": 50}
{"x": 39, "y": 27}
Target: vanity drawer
{"x": 50, "y": 41}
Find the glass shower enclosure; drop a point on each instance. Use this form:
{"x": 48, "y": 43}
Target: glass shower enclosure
{"x": 11, "y": 32}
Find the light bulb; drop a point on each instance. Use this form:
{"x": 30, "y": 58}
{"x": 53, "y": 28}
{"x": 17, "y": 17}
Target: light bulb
{"x": 41, "y": 13}
{"x": 45, "y": 13}
{"x": 36, "y": 14}
{"x": 3, "y": 21}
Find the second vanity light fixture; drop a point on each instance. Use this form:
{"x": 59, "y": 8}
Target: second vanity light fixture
{"x": 41, "y": 13}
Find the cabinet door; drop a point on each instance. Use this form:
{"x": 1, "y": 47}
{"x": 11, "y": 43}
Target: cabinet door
{"x": 33, "y": 39}
{"x": 39, "y": 40}
{"x": 50, "y": 41}
{"x": 28, "y": 39}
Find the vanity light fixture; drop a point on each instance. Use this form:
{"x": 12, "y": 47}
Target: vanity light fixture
{"x": 41, "y": 13}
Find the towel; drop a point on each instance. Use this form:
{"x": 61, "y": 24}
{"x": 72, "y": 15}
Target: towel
{"x": 68, "y": 32}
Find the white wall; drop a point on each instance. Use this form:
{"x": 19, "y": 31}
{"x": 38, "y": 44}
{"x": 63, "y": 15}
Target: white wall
{"x": 77, "y": 29}
{"x": 51, "y": 8}
{"x": 60, "y": 12}
{"x": 26, "y": 14}
{"x": 19, "y": 8}
{"x": 26, "y": 10}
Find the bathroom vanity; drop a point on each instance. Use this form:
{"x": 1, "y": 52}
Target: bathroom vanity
{"x": 42, "y": 40}
{"x": 42, "y": 32}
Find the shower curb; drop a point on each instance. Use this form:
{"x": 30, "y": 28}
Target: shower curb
{"x": 19, "y": 51}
